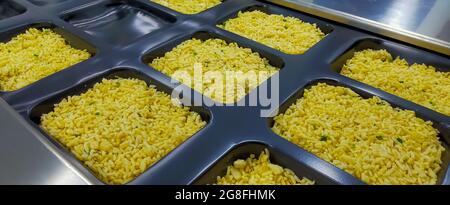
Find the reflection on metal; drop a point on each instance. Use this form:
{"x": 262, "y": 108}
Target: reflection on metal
{"x": 25, "y": 159}
{"x": 437, "y": 22}
{"x": 422, "y": 23}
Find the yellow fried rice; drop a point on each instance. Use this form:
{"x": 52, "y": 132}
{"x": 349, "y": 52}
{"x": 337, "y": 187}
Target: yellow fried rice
{"x": 419, "y": 83}
{"x": 217, "y": 58}
{"x": 120, "y": 127}
{"x": 287, "y": 34}
{"x": 260, "y": 171}
{"x": 189, "y": 6}
{"x": 34, "y": 55}
{"x": 368, "y": 138}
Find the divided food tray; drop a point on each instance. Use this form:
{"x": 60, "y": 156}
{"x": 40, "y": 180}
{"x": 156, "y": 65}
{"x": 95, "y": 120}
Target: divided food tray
{"x": 125, "y": 35}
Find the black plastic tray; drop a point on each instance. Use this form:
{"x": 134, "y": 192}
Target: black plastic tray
{"x": 231, "y": 132}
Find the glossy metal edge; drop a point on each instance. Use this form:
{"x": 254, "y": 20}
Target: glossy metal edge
{"x": 413, "y": 38}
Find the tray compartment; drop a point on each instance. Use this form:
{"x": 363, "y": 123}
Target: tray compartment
{"x": 161, "y": 50}
{"x": 71, "y": 39}
{"x": 47, "y": 105}
{"x": 277, "y": 156}
{"x": 272, "y": 9}
{"x": 193, "y": 10}
{"x": 443, "y": 132}
{"x": 412, "y": 56}
{"x": 132, "y": 18}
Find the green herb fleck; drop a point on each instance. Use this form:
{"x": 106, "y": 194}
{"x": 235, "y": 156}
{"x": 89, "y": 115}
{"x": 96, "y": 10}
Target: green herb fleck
{"x": 379, "y": 137}
{"x": 97, "y": 113}
{"x": 401, "y": 81}
{"x": 399, "y": 140}
{"x": 323, "y": 138}
{"x": 35, "y": 55}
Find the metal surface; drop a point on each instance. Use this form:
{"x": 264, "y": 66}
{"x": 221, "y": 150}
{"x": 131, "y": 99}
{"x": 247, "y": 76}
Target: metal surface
{"x": 27, "y": 156}
{"x": 24, "y": 158}
{"x": 424, "y": 23}
{"x": 427, "y": 17}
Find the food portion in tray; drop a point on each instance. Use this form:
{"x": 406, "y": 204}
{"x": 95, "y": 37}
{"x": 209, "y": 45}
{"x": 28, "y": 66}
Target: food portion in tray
{"x": 368, "y": 138}
{"x": 189, "y": 6}
{"x": 217, "y": 61}
{"x": 287, "y": 34}
{"x": 120, "y": 127}
{"x": 34, "y": 55}
{"x": 260, "y": 171}
{"x": 419, "y": 83}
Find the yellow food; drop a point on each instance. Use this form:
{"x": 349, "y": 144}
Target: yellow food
{"x": 120, "y": 127}
{"x": 418, "y": 83}
{"x": 259, "y": 171}
{"x": 216, "y": 58}
{"x": 287, "y": 34}
{"x": 34, "y": 55}
{"x": 368, "y": 138}
{"x": 189, "y": 6}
